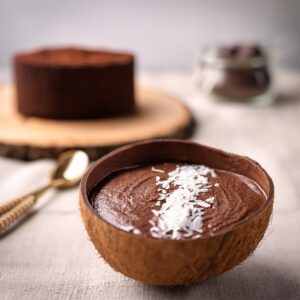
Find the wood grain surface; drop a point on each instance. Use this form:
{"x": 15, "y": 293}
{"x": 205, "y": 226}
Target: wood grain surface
{"x": 50, "y": 256}
{"x": 158, "y": 115}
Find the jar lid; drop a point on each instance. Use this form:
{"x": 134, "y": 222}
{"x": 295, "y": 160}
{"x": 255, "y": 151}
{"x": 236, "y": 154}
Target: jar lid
{"x": 234, "y": 57}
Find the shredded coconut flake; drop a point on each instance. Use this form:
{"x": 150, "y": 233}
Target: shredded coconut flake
{"x": 180, "y": 214}
{"x": 130, "y": 228}
{"x": 127, "y": 227}
{"x": 157, "y": 170}
{"x": 136, "y": 231}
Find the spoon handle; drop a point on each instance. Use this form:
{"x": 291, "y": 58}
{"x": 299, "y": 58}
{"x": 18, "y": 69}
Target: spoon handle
{"x": 12, "y": 210}
{"x": 8, "y": 205}
{"x": 17, "y": 211}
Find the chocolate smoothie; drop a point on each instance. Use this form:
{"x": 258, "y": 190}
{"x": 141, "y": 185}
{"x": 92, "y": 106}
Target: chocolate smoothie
{"x": 175, "y": 200}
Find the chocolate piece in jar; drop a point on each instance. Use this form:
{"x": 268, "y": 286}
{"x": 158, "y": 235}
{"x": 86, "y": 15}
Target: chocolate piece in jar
{"x": 238, "y": 72}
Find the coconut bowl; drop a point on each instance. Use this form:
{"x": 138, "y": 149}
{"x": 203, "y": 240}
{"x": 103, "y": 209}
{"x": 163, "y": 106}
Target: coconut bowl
{"x": 169, "y": 262}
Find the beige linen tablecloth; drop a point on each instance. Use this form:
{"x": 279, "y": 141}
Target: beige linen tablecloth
{"x": 50, "y": 256}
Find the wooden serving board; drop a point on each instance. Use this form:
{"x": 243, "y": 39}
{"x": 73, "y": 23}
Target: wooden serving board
{"x": 159, "y": 116}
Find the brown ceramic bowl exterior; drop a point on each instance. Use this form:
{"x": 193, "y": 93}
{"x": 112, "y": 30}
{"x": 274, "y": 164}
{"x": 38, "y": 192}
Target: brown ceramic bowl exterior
{"x": 174, "y": 262}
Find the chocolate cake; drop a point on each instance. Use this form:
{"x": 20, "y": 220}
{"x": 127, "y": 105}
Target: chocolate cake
{"x": 176, "y": 201}
{"x": 73, "y": 83}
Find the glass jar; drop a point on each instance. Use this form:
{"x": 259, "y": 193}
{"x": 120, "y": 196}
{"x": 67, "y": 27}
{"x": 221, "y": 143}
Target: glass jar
{"x": 238, "y": 73}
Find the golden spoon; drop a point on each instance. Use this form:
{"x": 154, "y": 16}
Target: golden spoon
{"x": 68, "y": 171}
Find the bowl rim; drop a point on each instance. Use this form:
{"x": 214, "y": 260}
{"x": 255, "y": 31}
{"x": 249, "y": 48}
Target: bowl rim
{"x": 85, "y": 197}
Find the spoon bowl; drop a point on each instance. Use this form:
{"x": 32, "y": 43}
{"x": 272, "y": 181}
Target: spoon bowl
{"x": 71, "y": 165}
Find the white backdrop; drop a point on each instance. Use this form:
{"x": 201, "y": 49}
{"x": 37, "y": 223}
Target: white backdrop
{"x": 165, "y": 33}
